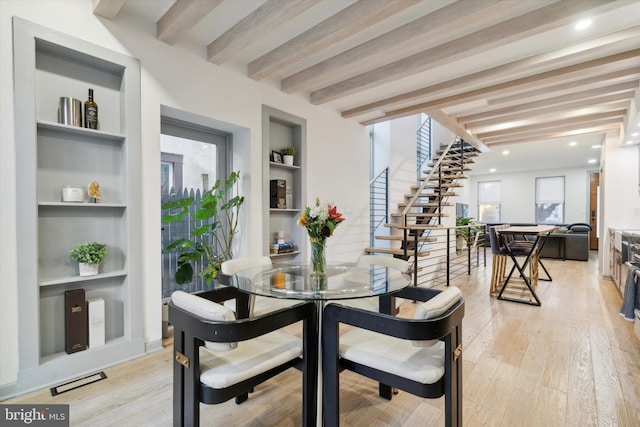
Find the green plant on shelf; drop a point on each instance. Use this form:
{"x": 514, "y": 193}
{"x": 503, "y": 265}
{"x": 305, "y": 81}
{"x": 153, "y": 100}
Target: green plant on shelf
{"x": 288, "y": 151}
{"x": 89, "y": 253}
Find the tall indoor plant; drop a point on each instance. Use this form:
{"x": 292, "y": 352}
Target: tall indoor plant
{"x": 212, "y": 242}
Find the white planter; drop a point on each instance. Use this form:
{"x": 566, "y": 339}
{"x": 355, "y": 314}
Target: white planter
{"x": 88, "y": 269}
{"x": 288, "y": 160}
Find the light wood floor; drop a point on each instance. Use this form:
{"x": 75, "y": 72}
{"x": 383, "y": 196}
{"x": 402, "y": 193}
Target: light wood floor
{"x": 572, "y": 362}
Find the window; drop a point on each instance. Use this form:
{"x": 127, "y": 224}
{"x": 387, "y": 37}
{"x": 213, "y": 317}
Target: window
{"x": 550, "y": 200}
{"x": 193, "y": 158}
{"x": 489, "y": 197}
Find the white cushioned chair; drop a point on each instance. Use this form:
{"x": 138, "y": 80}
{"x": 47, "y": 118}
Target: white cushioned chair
{"x": 257, "y": 304}
{"x": 218, "y": 356}
{"x": 421, "y": 356}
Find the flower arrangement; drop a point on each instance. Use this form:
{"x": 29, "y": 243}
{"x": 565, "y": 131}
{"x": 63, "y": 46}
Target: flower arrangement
{"x": 320, "y": 222}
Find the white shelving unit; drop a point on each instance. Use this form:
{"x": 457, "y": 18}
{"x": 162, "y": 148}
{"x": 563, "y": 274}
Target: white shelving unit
{"x": 279, "y": 130}
{"x": 49, "y": 65}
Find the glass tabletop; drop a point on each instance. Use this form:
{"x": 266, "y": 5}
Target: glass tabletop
{"x": 342, "y": 281}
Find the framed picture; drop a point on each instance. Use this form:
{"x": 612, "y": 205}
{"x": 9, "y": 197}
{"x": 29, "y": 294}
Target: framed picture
{"x": 276, "y": 156}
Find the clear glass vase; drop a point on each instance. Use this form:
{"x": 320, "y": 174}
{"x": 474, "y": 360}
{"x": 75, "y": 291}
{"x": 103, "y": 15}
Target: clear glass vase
{"x": 318, "y": 258}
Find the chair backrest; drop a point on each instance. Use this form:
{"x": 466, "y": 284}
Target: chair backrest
{"x": 436, "y": 306}
{"x": 207, "y": 310}
{"x": 386, "y": 261}
{"x": 232, "y": 266}
{"x": 496, "y": 248}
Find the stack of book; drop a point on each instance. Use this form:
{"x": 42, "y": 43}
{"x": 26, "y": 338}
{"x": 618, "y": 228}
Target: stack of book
{"x": 281, "y": 248}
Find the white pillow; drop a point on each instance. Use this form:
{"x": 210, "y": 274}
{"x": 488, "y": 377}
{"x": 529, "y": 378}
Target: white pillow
{"x": 435, "y": 307}
{"x": 208, "y": 310}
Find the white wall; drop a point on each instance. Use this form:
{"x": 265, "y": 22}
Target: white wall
{"x": 620, "y": 192}
{"x": 180, "y": 77}
{"x": 519, "y": 193}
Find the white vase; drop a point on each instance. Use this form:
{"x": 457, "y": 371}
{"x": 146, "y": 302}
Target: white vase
{"x": 287, "y": 159}
{"x": 88, "y": 269}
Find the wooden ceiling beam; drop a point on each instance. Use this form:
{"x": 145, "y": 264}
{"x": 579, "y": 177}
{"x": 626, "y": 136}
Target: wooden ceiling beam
{"x": 506, "y": 70}
{"x": 182, "y": 16}
{"x": 551, "y": 125}
{"x": 269, "y": 15}
{"x": 601, "y": 126}
{"x": 549, "y": 106}
{"x": 560, "y": 73}
{"x": 402, "y": 37}
{"x": 526, "y": 25}
{"x": 349, "y": 21}
{"x": 579, "y": 94}
{"x": 107, "y": 8}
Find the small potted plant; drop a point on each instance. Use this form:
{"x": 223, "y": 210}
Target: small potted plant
{"x": 288, "y": 153}
{"x": 464, "y": 235}
{"x": 89, "y": 257}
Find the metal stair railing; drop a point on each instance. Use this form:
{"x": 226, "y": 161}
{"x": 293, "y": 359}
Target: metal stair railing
{"x": 423, "y": 144}
{"x": 378, "y": 203}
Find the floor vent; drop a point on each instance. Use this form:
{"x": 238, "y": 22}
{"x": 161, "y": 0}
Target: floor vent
{"x": 80, "y": 382}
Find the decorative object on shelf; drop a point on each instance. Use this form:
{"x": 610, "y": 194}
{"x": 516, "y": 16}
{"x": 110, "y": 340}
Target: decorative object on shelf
{"x": 320, "y": 222}
{"x": 72, "y": 193}
{"x": 211, "y": 243}
{"x": 70, "y": 111}
{"x": 278, "y": 194}
{"x": 75, "y": 319}
{"x": 288, "y": 153}
{"x": 94, "y": 191}
{"x": 276, "y": 156}
{"x": 90, "y": 112}
{"x": 280, "y": 236}
{"x": 89, "y": 257}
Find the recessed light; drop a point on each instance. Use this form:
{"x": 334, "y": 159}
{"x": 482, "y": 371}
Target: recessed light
{"x": 505, "y": 152}
{"x": 629, "y": 142}
{"x": 635, "y": 134}
{"x": 581, "y": 25}
{"x": 205, "y": 146}
{"x": 596, "y": 146}
{"x": 492, "y": 170}
{"x": 592, "y": 160}
{"x": 573, "y": 144}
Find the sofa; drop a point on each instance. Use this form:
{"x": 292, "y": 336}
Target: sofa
{"x": 566, "y": 242}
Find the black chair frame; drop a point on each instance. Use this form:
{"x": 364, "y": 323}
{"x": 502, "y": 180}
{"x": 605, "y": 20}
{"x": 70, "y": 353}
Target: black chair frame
{"x": 447, "y": 328}
{"x": 191, "y": 331}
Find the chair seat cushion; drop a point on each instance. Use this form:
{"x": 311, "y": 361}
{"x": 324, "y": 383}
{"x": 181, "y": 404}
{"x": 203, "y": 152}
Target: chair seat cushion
{"x": 396, "y": 356}
{"x": 223, "y": 369}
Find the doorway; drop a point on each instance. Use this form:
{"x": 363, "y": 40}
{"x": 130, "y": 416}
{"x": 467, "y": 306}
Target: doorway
{"x": 594, "y": 208}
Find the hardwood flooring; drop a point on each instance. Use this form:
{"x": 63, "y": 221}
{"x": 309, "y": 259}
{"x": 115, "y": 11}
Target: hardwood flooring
{"x": 572, "y": 362}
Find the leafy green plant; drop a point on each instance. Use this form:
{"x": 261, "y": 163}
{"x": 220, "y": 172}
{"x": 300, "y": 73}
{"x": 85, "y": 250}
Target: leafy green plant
{"x": 212, "y": 242}
{"x": 288, "y": 151}
{"x": 464, "y": 232}
{"x": 89, "y": 253}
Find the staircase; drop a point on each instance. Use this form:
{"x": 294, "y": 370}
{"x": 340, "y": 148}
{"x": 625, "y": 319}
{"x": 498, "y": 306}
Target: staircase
{"x": 417, "y": 233}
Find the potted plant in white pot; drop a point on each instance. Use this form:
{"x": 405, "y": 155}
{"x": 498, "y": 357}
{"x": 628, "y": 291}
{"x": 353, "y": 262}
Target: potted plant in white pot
{"x": 89, "y": 257}
{"x": 288, "y": 153}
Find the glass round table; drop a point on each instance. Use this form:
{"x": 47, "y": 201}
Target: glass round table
{"x": 347, "y": 281}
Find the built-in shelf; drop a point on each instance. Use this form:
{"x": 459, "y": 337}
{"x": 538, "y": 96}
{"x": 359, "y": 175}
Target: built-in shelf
{"x": 294, "y": 253}
{"x": 83, "y": 205}
{"x": 282, "y": 165}
{"x": 280, "y": 130}
{"x": 48, "y": 66}
{"x": 76, "y": 130}
{"x": 75, "y": 279}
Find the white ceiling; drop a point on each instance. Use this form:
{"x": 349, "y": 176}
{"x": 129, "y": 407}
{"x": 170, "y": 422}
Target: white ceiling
{"x": 493, "y": 71}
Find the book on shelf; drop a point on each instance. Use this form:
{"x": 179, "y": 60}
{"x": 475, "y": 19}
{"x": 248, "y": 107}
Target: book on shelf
{"x": 281, "y": 248}
{"x": 75, "y": 321}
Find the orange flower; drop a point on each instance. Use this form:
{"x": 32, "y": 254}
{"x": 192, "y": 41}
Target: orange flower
{"x": 335, "y": 215}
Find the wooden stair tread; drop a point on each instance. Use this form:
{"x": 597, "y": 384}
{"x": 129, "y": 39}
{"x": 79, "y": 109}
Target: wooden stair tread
{"x": 412, "y": 238}
{"x": 432, "y": 195}
{"x": 425, "y": 205}
{"x": 417, "y": 214}
{"x": 395, "y": 251}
